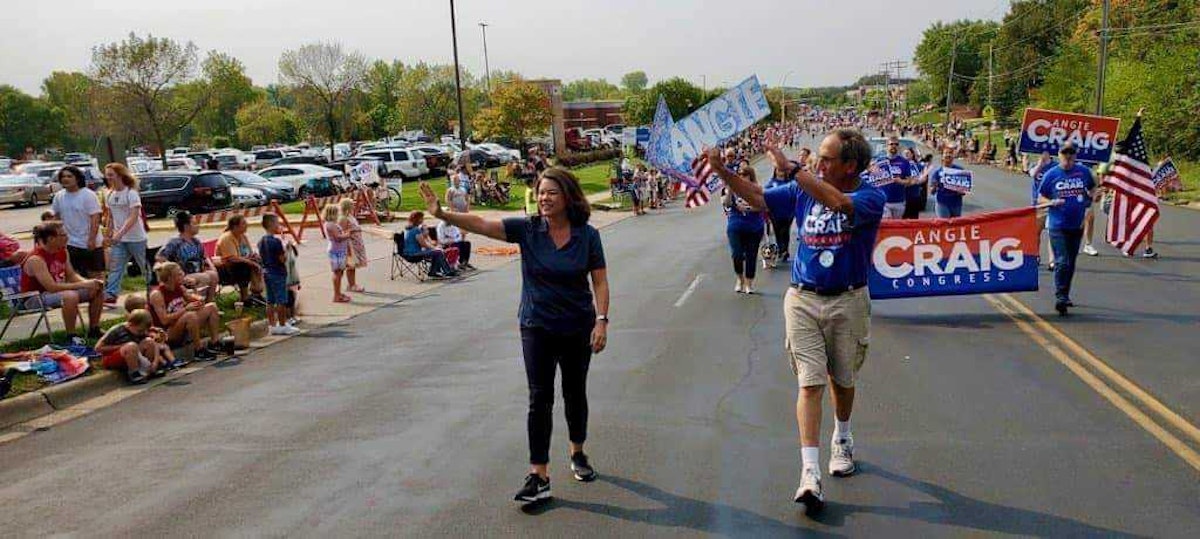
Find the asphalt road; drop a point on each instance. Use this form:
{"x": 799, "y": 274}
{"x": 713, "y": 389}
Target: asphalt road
{"x": 409, "y": 421}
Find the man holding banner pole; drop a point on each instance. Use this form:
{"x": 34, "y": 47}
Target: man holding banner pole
{"x": 827, "y": 309}
{"x": 1067, "y": 189}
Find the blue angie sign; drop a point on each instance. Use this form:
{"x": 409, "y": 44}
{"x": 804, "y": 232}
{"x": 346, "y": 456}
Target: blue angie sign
{"x": 675, "y": 144}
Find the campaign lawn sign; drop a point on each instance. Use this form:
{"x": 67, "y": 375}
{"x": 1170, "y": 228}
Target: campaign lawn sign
{"x": 957, "y": 180}
{"x": 675, "y": 144}
{"x": 978, "y": 254}
{"x": 1166, "y": 177}
{"x": 1048, "y": 130}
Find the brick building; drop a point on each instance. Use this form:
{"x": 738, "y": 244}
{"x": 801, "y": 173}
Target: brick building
{"x": 593, "y": 114}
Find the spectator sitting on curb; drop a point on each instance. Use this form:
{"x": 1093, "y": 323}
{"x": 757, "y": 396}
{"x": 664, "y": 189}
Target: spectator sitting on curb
{"x": 182, "y": 313}
{"x": 448, "y": 236}
{"x": 130, "y": 348}
{"x": 237, "y": 262}
{"x": 188, "y": 251}
{"x": 48, "y": 270}
{"x": 417, "y": 245}
{"x": 134, "y": 302}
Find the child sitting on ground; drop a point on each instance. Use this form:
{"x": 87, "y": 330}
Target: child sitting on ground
{"x": 134, "y": 302}
{"x": 129, "y": 347}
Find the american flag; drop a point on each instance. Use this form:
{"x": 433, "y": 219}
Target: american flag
{"x": 1135, "y": 204}
{"x": 697, "y": 193}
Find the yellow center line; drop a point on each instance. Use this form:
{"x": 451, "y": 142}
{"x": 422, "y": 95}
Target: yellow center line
{"x": 1022, "y": 321}
{"x": 1148, "y": 400}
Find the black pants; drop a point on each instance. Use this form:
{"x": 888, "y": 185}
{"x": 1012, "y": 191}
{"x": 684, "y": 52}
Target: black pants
{"x": 744, "y": 248}
{"x": 464, "y": 252}
{"x": 544, "y": 351}
{"x": 913, "y": 208}
{"x": 783, "y": 234}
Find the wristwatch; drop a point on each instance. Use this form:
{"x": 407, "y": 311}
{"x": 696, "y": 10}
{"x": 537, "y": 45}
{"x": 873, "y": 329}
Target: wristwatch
{"x": 602, "y": 318}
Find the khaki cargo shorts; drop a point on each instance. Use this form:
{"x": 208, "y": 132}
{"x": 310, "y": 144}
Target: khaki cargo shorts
{"x": 827, "y": 337}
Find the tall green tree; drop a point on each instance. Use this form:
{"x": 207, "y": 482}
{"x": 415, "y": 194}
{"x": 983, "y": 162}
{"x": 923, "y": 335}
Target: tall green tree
{"x": 590, "y": 89}
{"x": 326, "y": 74}
{"x": 382, "y": 95}
{"x": 27, "y": 122}
{"x": 78, "y": 97}
{"x": 428, "y": 102}
{"x": 965, "y": 42}
{"x": 261, "y": 122}
{"x": 682, "y": 97}
{"x": 158, "y": 77}
{"x": 634, "y": 81}
{"x": 518, "y": 112}
{"x": 230, "y": 89}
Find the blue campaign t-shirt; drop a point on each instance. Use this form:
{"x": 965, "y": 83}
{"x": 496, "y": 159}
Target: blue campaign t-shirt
{"x": 944, "y": 196}
{"x": 742, "y": 221}
{"x": 900, "y": 168}
{"x": 1073, "y": 187}
{"x": 1037, "y": 173}
{"x": 913, "y": 192}
{"x": 835, "y": 249}
{"x": 555, "y": 293}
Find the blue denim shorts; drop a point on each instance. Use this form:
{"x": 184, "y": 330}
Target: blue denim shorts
{"x": 277, "y": 293}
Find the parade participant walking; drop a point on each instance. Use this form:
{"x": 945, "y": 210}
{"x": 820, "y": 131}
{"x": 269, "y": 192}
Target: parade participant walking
{"x": 949, "y": 202}
{"x": 563, "y": 321}
{"x": 128, "y": 232}
{"x": 827, "y": 309}
{"x": 1067, "y": 188}
{"x": 1036, "y": 173}
{"x": 79, "y": 210}
{"x": 901, "y": 170}
{"x": 914, "y": 193}
{"x": 744, "y": 229}
{"x": 781, "y": 225}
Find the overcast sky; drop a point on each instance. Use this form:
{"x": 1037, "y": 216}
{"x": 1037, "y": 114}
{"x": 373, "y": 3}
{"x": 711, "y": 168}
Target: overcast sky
{"x": 821, "y": 42}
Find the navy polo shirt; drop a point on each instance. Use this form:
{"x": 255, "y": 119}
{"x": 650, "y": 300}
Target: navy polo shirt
{"x": 555, "y": 291}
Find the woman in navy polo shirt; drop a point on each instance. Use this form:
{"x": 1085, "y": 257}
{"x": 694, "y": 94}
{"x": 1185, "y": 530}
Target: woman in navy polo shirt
{"x": 744, "y": 228}
{"x": 562, "y": 322}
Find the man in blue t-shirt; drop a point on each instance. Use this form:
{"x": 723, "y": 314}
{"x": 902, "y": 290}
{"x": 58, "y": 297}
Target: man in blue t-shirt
{"x": 827, "y": 309}
{"x": 902, "y": 176}
{"x": 1067, "y": 188}
{"x": 949, "y": 201}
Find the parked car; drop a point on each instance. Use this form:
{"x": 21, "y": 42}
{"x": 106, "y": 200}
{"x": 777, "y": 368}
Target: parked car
{"x": 302, "y": 160}
{"x": 80, "y": 159}
{"x": 321, "y": 187}
{"x": 268, "y": 157}
{"x": 402, "y": 162}
{"x": 435, "y": 157}
{"x": 180, "y": 151}
{"x": 182, "y": 163}
{"x": 273, "y": 190}
{"x": 33, "y": 167}
{"x": 576, "y": 140}
{"x": 506, "y": 155}
{"x": 165, "y": 193}
{"x": 879, "y": 146}
{"x": 5, "y": 163}
{"x": 247, "y": 198}
{"x": 298, "y": 176}
{"x": 234, "y": 159}
{"x": 480, "y": 159}
{"x": 26, "y": 189}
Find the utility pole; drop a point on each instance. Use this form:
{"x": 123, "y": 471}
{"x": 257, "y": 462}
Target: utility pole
{"x": 1103, "y": 60}
{"x": 462, "y": 123}
{"x": 487, "y": 71}
{"x": 950, "y": 81}
{"x": 887, "y": 80}
{"x": 989, "y": 74}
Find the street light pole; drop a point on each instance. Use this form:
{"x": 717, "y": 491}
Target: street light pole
{"x": 487, "y": 71}
{"x": 1103, "y": 60}
{"x": 462, "y": 124}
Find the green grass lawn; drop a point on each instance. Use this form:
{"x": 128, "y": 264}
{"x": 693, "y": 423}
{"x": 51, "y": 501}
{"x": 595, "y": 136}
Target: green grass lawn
{"x": 593, "y": 178}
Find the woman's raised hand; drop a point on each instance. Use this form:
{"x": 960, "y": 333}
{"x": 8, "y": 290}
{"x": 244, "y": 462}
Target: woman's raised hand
{"x": 431, "y": 200}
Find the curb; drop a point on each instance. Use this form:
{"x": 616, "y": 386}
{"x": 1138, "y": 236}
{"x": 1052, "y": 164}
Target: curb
{"x": 43, "y": 402}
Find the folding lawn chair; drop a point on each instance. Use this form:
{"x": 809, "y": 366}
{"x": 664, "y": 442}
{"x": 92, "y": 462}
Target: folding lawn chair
{"x": 18, "y": 302}
{"x": 406, "y": 265}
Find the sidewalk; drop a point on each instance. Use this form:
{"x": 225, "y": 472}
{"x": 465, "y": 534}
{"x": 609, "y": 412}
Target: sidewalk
{"x": 29, "y": 412}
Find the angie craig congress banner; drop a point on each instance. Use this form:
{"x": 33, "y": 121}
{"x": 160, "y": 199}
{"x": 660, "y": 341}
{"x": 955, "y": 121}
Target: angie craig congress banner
{"x": 1048, "y": 130}
{"x": 977, "y": 254}
{"x": 675, "y": 144}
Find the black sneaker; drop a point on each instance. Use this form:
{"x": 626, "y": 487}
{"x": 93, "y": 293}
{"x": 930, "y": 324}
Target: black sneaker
{"x": 137, "y": 377}
{"x": 1149, "y": 253}
{"x": 1061, "y": 307}
{"x": 204, "y": 354}
{"x": 535, "y": 489}
{"x": 583, "y": 470}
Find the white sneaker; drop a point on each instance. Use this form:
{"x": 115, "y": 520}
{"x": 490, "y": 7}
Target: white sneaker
{"x": 841, "y": 460}
{"x": 737, "y": 286}
{"x": 809, "y": 492}
{"x": 1090, "y": 251}
{"x": 283, "y": 330}
{"x": 750, "y": 288}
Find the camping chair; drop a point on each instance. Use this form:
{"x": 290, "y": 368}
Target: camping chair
{"x": 10, "y": 294}
{"x": 407, "y": 265}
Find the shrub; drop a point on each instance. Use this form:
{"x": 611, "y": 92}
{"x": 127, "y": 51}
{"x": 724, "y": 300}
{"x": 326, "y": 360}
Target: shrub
{"x": 583, "y": 158}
